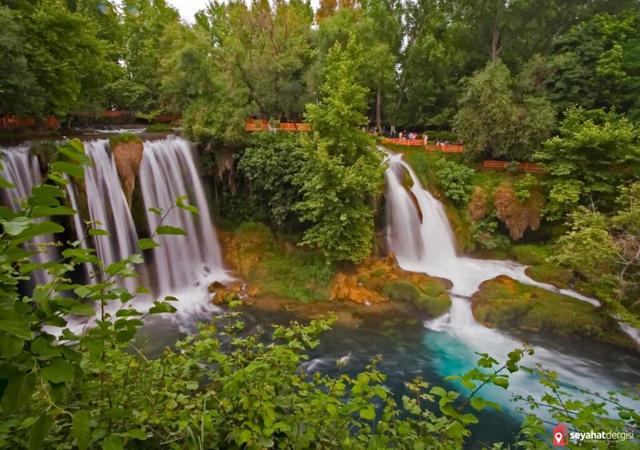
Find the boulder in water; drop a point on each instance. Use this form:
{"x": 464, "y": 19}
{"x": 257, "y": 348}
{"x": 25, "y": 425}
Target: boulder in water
{"x": 513, "y": 306}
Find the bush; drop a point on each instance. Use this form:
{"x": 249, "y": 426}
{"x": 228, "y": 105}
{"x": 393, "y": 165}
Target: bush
{"x": 271, "y": 164}
{"x": 455, "y": 180}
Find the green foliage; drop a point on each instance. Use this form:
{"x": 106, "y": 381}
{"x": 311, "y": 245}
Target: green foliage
{"x": 587, "y": 247}
{"x": 496, "y": 118}
{"x": 277, "y": 268}
{"x": 271, "y": 164}
{"x": 123, "y": 138}
{"x": 343, "y": 171}
{"x": 594, "y": 153}
{"x": 485, "y": 234}
{"x": 455, "y": 180}
{"x": 593, "y": 65}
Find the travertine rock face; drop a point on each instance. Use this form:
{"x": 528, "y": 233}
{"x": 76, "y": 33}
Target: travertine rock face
{"x": 128, "y": 156}
{"x": 517, "y": 216}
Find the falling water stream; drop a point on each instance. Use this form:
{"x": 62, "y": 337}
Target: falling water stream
{"x": 424, "y": 222}
{"x": 22, "y": 168}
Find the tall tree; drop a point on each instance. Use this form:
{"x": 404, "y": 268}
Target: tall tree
{"x": 502, "y": 118}
{"x": 343, "y": 171}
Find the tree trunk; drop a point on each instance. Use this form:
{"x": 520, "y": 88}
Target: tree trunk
{"x": 379, "y": 110}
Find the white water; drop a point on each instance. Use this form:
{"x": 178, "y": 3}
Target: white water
{"x": 183, "y": 266}
{"x": 439, "y": 258}
{"x": 168, "y": 172}
{"x": 108, "y": 208}
{"x": 23, "y": 170}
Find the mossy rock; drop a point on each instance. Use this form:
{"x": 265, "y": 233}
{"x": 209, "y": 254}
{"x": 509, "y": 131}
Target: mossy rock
{"x": 510, "y": 305}
{"x": 124, "y": 138}
{"x": 430, "y": 297}
{"x": 531, "y": 254}
{"x": 551, "y": 274}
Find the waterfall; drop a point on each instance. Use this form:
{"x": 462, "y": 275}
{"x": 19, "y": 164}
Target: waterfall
{"x": 22, "y": 168}
{"x": 108, "y": 208}
{"x": 439, "y": 258}
{"x": 81, "y": 234}
{"x": 168, "y": 172}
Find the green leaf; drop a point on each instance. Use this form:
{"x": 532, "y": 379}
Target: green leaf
{"x": 168, "y": 229}
{"x": 82, "y": 429}
{"x": 502, "y": 382}
{"x": 97, "y": 232}
{"x": 147, "y": 244}
{"x": 82, "y": 309}
{"x": 477, "y": 403}
{"x": 74, "y": 170}
{"x": 10, "y": 346}
{"x": 38, "y": 432}
{"x": 6, "y": 184}
{"x": 156, "y": 211}
{"x": 181, "y": 203}
{"x": 137, "y": 433}
{"x": 112, "y": 443}
{"x": 368, "y": 413}
{"x": 59, "y": 371}
{"x": 46, "y": 211}
{"x": 18, "y": 391}
{"x": 16, "y": 226}
{"x": 37, "y": 229}
{"x": 161, "y": 307}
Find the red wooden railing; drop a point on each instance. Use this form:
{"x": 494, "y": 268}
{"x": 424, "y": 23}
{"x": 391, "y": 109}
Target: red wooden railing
{"x": 15, "y": 122}
{"x": 502, "y": 165}
{"x": 446, "y": 148}
{"x": 253, "y": 125}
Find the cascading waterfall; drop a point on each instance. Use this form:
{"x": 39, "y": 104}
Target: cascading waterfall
{"x": 168, "y": 172}
{"x": 458, "y": 328}
{"x": 108, "y": 208}
{"x": 182, "y": 265}
{"x": 22, "y": 168}
{"x": 81, "y": 233}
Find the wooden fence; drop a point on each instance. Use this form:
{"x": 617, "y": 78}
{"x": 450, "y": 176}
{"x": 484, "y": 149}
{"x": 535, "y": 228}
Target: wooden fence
{"x": 15, "y": 122}
{"x": 253, "y": 125}
{"x": 446, "y": 148}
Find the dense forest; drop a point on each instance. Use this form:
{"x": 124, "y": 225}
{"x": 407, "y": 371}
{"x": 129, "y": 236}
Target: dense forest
{"x": 305, "y": 216}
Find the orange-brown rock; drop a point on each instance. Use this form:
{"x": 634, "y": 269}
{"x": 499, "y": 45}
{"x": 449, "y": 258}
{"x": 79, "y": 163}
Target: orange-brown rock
{"x": 128, "y": 156}
{"x": 365, "y": 283}
{"x": 517, "y": 216}
{"x": 224, "y": 294}
{"x": 478, "y": 204}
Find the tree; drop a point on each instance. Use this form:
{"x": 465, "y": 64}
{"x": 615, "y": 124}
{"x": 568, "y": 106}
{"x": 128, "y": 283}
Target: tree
{"x": 596, "y": 64}
{"x": 145, "y": 23}
{"x": 60, "y": 63}
{"x": 271, "y": 164}
{"x": 19, "y": 89}
{"x": 267, "y": 48}
{"x": 497, "y": 117}
{"x": 343, "y": 171}
{"x": 594, "y": 154}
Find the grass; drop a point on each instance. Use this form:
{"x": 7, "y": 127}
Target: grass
{"x": 508, "y": 304}
{"x": 278, "y": 267}
{"x": 159, "y": 128}
{"x": 123, "y": 138}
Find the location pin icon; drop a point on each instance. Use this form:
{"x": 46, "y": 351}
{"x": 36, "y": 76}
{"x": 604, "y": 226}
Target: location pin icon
{"x": 558, "y": 437}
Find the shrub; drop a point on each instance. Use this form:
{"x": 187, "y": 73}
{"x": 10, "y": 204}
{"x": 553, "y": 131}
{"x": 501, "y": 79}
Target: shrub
{"x": 455, "y": 180}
